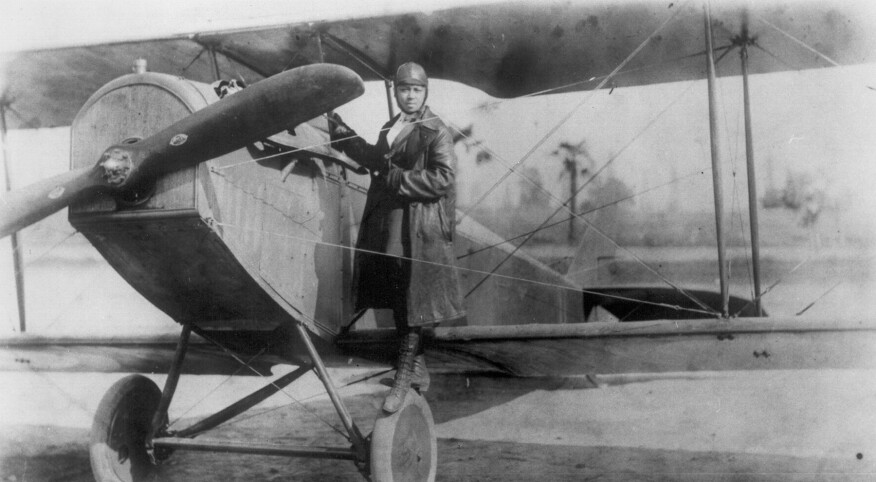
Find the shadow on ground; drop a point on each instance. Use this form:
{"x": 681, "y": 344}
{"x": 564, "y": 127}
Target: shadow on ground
{"x": 45, "y": 453}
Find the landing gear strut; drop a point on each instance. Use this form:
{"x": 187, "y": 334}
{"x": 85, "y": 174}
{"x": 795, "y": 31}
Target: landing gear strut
{"x": 130, "y": 437}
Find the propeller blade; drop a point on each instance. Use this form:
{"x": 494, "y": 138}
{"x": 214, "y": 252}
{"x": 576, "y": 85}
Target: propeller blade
{"x": 23, "y": 207}
{"x": 265, "y": 108}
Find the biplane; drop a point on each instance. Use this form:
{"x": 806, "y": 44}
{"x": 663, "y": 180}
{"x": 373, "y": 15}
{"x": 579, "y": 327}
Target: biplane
{"x": 236, "y": 217}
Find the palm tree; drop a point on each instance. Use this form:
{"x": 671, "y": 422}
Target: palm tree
{"x": 465, "y": 137}
{"x": 570, "y": 154}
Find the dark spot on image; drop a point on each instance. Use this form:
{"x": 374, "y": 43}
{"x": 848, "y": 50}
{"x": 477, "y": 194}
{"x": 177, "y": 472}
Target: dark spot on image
{"x": 408, "y": 25}
{"x": 512, "y": 74}
{"x": 442, "y": 31}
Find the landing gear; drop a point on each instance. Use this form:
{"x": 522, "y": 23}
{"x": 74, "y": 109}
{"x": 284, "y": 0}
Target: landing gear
{"x": 130, "y": 435}
{"x": 120, "y": 431}
{"x": 403, "y": 445}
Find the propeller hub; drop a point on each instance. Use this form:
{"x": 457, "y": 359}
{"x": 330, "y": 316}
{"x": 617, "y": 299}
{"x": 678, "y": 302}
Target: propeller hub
{"x": 117, "y": 165}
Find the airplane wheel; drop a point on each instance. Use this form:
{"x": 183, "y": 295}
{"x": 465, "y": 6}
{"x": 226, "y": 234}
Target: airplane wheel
{"x": 119, "y": 431}
{"x": 403, "y": 445}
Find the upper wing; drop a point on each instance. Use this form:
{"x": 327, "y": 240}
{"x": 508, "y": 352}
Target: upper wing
{"x": 504, "y": 49}
{"x": 514, "y": 49}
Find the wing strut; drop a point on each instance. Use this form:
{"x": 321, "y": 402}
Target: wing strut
{"x": 388, "y": 84}
{"x": 744, "y": 40}
{"x": 717, "y": 162}
{"x": 16, "y": 252}
{"x": 363, "y": 59}
{"x": 214, "y": 62}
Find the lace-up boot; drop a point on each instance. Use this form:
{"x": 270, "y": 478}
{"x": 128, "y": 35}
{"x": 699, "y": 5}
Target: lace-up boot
{"x": 402, "y": 382}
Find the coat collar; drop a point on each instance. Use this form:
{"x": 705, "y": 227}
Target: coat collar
{"x": 426, "y": 118}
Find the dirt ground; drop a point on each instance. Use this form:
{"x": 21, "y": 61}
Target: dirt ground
{"x": 489, "y": 431}
{"x": 462, "y": 460}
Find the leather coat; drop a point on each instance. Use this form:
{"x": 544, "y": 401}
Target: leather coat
{"x": 418, "y": 175}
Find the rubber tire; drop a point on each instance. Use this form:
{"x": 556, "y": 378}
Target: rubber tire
{"x": 122, "y": 422}
{"x": 403, "y": 444}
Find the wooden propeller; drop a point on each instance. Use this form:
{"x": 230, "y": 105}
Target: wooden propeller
{"x": 265, "y": 108}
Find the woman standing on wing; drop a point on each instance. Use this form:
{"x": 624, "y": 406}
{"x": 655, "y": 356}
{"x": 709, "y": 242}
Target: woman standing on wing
{"x": 404, "y": 257}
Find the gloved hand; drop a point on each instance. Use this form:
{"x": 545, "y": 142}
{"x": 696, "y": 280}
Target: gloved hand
{"x": 393, "y": 176}
{"x": 390, "y": 172}
{"x": 337, "y": 128}
{"x": 383, "y": 166}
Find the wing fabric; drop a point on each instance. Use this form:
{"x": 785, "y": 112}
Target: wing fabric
{"x": 504, "y": 49}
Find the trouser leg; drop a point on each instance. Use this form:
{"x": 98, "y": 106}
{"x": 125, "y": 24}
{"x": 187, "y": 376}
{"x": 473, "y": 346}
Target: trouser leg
{"x": 400, "y": 317}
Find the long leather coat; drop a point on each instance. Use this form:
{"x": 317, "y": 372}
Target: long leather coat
{"x": 418, "y": 175}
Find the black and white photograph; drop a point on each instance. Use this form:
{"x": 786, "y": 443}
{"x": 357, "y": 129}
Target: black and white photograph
{"x": 437, "y": 240}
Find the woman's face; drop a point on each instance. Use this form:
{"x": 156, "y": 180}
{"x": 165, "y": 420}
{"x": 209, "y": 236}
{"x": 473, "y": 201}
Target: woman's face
{"x": 410, "y": 98}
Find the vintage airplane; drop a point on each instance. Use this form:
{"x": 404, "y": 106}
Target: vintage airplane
{"x": 237, "y": 218}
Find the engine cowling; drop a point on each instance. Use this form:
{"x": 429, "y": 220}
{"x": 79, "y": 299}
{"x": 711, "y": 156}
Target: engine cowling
{"x": 229, "y": 243}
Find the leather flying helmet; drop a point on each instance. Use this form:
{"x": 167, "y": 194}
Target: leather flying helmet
{"x": 411, "y": 73}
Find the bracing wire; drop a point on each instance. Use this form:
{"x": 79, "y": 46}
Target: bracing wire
{"x": 341, "y": 46}
{"x": 761, "y": 295}
{"x": 564, "y": 205}
{"x": 307, "y": 148}
{"x": 215, "y": 169}
{"x": 248, "y": 366}
{"x": 33, "y": 123}
{"x": 728, "y": 49}
{"x": 705, "y": 310}
{"x": 582, "y": 213}
{"x": 799, "y": 42}
{"x": 512, "y": 170}
{"x": 72, "y": 399}
{"x": 788, "y": 65}
{"x": 768, "y": 23}
{"x": 614, "y": 243}
{"x": 307, "y": 398}
{"x": 816, "y": 300}
{"x": 733, "y": 152}
{"x": 86, "y": 287}
{"x": 47, "y": 252}
{"x": 194, "y": 59}
{"x": 594, "y": 79}
{"x": 772, "y": 286}
{"x": 774, "y": 56}
{"x": 572, "y": 112}
{"x": 217, "y": 387}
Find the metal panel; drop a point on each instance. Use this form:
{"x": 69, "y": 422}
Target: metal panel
{"x": 181, "y": 265}
{"x": 135, "y": 107}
